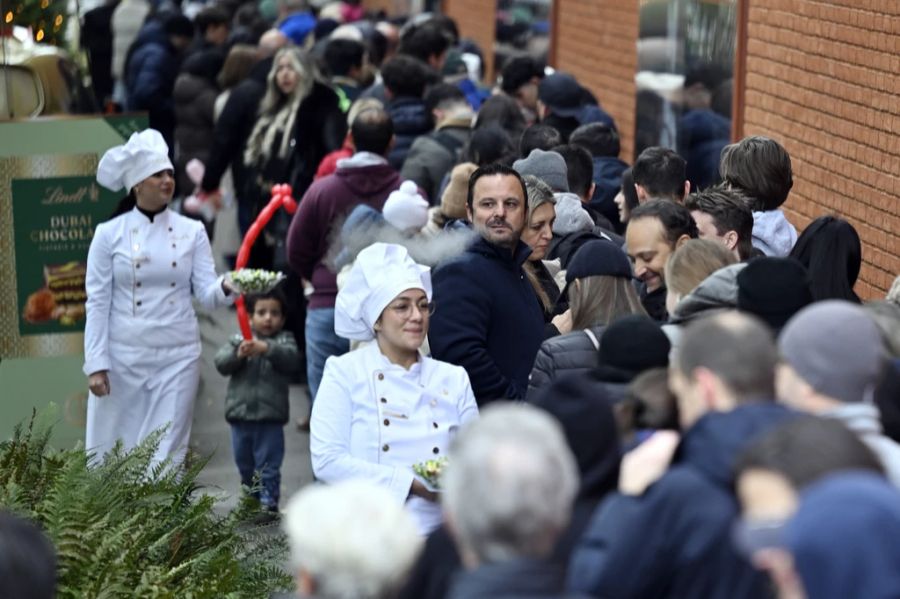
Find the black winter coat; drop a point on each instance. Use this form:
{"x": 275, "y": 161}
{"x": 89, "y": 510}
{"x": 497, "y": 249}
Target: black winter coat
{"x": 195, "y": 98}
{"x": 519, "y": 579}
{"x": 572, "y": 352}
{"x": 411, "y": 119}
{"x": 487, "y": 319}
{"x": 150, "y": 78}
{"x": 675, "y": 539}
{"x": 234, "y": 127}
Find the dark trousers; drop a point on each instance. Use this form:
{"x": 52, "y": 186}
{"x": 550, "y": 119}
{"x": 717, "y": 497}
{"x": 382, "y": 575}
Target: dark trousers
{"x": 259, "y": 448}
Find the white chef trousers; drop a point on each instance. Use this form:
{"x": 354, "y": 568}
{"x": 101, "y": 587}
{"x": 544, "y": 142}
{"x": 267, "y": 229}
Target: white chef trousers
{"x": 150, "y": 387}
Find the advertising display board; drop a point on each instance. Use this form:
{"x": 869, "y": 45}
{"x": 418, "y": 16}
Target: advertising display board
{"x": 50, "y": 204}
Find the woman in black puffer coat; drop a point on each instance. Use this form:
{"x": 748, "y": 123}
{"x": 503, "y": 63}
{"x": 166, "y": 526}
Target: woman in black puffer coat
{"x": 599, "y": 291}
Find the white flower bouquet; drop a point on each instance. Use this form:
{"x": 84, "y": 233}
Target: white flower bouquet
{"x": 429, "y": 472}
{"x": 255, "y": 280}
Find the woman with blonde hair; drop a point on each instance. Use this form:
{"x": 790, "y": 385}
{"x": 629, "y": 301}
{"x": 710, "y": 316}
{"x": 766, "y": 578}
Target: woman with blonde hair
{"x": 701, "y": 275}
{"x": 600, "y": 291}
{"x": 299, "y": 122}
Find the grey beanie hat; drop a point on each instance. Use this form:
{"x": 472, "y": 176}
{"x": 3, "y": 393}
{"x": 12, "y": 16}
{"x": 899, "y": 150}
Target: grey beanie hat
{"x": 571, "y": 217}
{"x": 836, "y": 347}
{"x": 550, "y": 167}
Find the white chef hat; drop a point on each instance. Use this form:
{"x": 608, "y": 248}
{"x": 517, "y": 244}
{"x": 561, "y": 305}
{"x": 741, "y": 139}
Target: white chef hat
{"x": 405, "y": 209}
{"x": 381, "y": 272}
{"x": 127, "y": 165}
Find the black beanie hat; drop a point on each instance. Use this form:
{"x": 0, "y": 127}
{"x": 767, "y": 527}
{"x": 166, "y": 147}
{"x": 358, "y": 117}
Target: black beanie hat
{"x": 631, "y": 345}
{"x": 774, "y": 289}
{"x": 596, "y": 258}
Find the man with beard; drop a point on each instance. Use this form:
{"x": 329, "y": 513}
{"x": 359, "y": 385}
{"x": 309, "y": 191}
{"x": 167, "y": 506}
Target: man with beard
{"x": 487, "y": 316}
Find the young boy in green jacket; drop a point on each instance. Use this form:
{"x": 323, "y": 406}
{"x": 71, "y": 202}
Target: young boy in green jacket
{"x": 256, "y": 402}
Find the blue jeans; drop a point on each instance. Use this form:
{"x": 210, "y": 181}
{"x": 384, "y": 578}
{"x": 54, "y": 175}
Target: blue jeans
{"x": 321, "y": 343}
{"x": 259, "y": 447}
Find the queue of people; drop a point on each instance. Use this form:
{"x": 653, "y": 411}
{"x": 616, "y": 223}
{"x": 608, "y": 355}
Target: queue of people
{"x": 642, "y": 388}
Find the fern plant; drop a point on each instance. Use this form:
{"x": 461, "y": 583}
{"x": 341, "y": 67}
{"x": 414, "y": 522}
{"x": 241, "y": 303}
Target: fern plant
{"x": 125, "y": 527}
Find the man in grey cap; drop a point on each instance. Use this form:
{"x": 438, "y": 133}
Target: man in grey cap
{"x": 832, "y": 360}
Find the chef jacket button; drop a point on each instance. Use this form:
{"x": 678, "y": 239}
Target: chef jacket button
{"x": 138, "y": 284}
{"x": 174, "y": 264}
{"x": 435, "y": 424}
{"x": 385, "y": 447}
{"x": 137, "y": 247}
{"x": 435, "y": 451}
{"x": 173, "y": 283}
{"x": 170, "y": 229}
{"x": 387, "y": 422}
{"x": 139, "y": 302}
{"x": 380, "y": 376}
{"x": 138, "y": 265}
{"x": 173, "y": 245}
{"x": 383, "y": 400}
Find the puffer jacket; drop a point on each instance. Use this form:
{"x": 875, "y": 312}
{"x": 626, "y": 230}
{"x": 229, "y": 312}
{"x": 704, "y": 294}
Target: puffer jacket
{"x": 195, "y": 98}
{"x": 150, "y": 78}
{"x": 411, "y": 119}
{"x": 258, "y": 387}
{"x": 572, "y": 352}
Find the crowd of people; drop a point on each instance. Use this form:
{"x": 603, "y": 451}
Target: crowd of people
{"x": 642, "y": 387}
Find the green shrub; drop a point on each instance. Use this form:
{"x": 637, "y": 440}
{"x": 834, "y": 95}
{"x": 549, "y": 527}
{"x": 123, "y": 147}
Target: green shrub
{"x": 124, "y": 528}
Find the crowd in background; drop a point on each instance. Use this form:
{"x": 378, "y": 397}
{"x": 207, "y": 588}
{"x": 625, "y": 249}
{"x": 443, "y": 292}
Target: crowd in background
{"x": 680, "y": 394}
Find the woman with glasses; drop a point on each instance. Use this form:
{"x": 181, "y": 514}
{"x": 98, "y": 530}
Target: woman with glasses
{"x": 385, "y": 407}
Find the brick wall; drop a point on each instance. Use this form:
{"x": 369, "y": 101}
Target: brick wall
{"x": 823, "y": 78}
{"x": 476, "y": 20}
{"x": 596, "y": 41}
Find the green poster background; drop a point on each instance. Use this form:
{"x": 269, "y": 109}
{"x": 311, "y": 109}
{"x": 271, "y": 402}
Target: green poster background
{"x": 43, "y": 366}
{"x": 54, "y": 220}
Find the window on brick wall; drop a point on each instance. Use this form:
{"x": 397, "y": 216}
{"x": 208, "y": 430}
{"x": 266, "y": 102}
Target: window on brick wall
{"x": 684, "y": 81}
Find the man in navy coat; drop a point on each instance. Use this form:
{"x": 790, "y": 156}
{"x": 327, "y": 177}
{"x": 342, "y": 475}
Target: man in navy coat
{"x": 487, "y": 316}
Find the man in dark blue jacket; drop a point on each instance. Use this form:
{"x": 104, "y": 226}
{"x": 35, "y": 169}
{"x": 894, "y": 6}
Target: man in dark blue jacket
{"x": 667, "y": 532}
{"x": 405, "y": 80}
{"x": 151, "y": 68}
{"x": 487, "y": 316}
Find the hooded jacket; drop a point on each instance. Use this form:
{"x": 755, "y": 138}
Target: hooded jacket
{"x": 675, "y": 539}
{"x": 773, "y": 234}
{"x": 432, "y": 156}
{"x": 487, "y": 319}
{"x": 362, "y": 179}
{"x": 716, "y": 292}
{"x": 411, "y": 119}
{"x": 864, "y": 420}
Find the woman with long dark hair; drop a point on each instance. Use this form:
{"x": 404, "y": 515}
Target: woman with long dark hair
{"x": 830, "y": 250}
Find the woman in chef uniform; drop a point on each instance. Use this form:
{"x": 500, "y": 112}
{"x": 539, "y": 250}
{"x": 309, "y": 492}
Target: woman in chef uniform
{"x": 141, "y": 338}
{"x": 384, "y": 407}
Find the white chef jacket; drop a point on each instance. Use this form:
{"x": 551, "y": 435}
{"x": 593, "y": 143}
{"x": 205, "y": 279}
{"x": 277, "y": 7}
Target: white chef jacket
{"x": 373, "y": 419}
{"x": 140, "y": 326}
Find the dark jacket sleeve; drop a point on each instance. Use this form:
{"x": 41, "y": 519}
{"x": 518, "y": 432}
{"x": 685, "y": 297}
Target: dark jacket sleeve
{"x": 303, "y": 238}
{"x": 226, "y": 360}
{"x": 154, "y": 80}
{"x": 459, "y": 330}
{"x": 620, "y": 553}
{"x": 542, "y": 373}
{"x": 230, "y": 134}
{"x": 283, "y": 353}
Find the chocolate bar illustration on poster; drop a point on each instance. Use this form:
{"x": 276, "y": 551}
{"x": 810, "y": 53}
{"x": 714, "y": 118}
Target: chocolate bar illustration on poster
{"x": 54, "y": 222}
